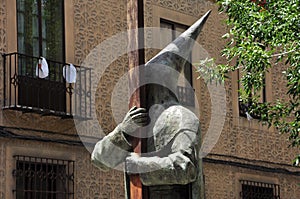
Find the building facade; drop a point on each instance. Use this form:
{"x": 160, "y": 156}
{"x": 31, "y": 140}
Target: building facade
{"x": 42, "y": 152}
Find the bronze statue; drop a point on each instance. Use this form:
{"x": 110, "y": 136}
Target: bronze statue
{"x": 171, "y": 167}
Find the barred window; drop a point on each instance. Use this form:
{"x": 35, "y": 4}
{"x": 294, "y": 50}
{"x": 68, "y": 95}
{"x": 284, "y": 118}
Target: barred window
{"x": 46, "y": 178}
{"x": 259, "y": 190}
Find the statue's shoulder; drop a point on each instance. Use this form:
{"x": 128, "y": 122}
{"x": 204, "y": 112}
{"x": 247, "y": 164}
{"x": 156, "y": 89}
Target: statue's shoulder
{"x": 173, "y": 121}
{"x": 181, "y": 111}
{"x": 184, "y": 117}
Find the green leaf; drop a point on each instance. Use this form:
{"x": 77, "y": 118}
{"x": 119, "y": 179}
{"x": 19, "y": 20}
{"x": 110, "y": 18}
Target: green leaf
{"x": 260, "y": 39}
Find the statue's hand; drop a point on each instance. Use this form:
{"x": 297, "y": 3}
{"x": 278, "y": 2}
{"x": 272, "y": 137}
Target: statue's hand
{"x": 135, "y": 118}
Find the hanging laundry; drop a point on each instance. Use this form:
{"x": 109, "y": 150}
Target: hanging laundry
{"x": 69, "y": 73}
{"x": 249, "y": 117}
{"x": 42, "y": 70}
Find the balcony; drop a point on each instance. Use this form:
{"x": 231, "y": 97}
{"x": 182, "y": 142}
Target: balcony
{"x": 24, "y": 90}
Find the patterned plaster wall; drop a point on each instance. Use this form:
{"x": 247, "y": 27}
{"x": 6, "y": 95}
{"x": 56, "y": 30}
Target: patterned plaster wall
{"x": 3, "y": 43}
{"x": 3, "y": 40}
{"x": 3, "y": 46}
{"x": 222, "y": 181}
{"x": 2, "y": 170}
{"x": 279, "y": 82}
{"x": 91, "y": 182}
{"x": 95, "y": 22}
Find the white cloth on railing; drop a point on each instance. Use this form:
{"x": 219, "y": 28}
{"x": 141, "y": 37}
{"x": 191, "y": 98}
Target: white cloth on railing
{"x": 42, "y": 70}
{"x": 69, "y": 73}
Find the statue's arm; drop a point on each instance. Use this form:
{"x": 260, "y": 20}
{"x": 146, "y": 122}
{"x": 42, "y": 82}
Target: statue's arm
{"x": 179, "y": 167}
{"x": 111, "y": 150}
{"x": 114, "y": 148}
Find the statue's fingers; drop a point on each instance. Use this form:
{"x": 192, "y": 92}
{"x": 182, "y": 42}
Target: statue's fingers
{"x": 139, "y": 115}
{"x": 137, "y": 111}
{"x": 132, "y": 109}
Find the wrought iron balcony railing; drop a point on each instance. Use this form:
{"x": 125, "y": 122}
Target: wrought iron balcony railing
{"x": 24, "y": 90}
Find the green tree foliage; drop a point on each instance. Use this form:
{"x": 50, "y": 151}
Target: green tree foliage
{"x": 260, "y": 37}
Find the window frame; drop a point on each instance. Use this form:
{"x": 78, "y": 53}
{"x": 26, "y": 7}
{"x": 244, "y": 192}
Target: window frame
{"x": 30, "y": 173}
{"x": 255, "y": 187}
{"x": 173, "y": 25}
{"x": 242, "y": 107}
{"x": 47, "y": 93}
{"x": 185, "y": 94}
{"x": 40, "y": 27}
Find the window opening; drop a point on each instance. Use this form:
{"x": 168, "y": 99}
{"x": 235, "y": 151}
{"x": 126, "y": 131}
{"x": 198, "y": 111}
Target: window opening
{"x": 47, "y": 178}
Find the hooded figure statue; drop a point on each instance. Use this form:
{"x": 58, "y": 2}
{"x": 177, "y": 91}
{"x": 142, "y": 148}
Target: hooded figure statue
{"x": 171, "y": 168}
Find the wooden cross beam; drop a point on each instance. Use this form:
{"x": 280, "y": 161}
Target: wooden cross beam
{"x": 135, "y": 20}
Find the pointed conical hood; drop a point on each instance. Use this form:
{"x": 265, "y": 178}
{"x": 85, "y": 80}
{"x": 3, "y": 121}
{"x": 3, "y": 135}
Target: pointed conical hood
{"x": 177, "y": 52}
{"x": 162, "y": 71}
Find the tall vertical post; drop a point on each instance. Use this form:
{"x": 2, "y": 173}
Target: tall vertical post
{"x": 136, "y": 57}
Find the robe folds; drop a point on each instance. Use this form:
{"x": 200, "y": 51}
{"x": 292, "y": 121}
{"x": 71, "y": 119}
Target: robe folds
{"x": 171, "y": 167}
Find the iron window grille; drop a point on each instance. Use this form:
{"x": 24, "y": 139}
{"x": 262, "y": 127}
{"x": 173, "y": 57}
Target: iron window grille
{"x": 52, "y": 95}
{"x": 47, "y": 178}
{"x": 259, "y": 190}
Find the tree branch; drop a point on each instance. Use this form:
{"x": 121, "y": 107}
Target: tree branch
{"x": 284, "y": 53}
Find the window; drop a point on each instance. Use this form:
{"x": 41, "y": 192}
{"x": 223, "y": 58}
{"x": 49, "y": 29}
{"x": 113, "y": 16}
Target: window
{"x": 41, "y": 28}
{"x": 41, "y": 33}
{"x": 185, "y": 94}
{"x": 244, "y": 107}
{"x": 43, "y": 178}
{"x": 259, "y": 190}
